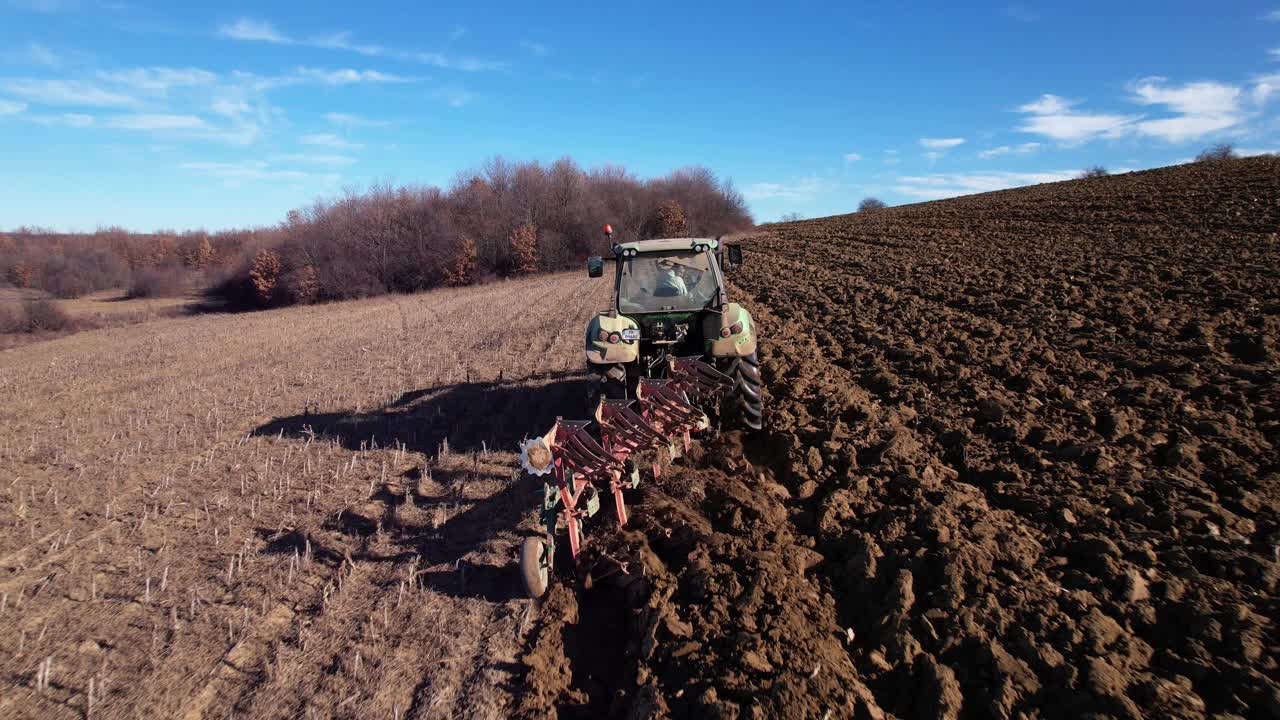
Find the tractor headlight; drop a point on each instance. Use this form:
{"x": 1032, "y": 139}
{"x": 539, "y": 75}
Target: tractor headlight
{"x": 603, "y": 335}
{"x": 614, "y": 338}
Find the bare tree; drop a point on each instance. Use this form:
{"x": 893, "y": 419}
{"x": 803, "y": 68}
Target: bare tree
{"x": 791, "y": 217}
{"x": 871, "y": 204}
{"x": 1221, "y": 151}
{"x": 1095, "y": 171}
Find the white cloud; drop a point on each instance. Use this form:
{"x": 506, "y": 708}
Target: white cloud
{"x": 852, "y": 157}
{"x": 1254, "y": 152}
{"x": 1203, "y": 108}
{"x": 156, "y": 121}
{"x": 65, "y": 92}
{"x": 535, "y": 48}
{"x": 254, "y": 30}
{"x": 349, "y": 120}
{"x": 34, "y": 54}
{"x": 1021, "y": 149}
{"x": 9, "y": 107}
{"x": 347, "y": 76}
{"x": 944, "y": 185}
{"x": 1273, "y": 16}
{"x": 329, "y": 140}
{"x": 1053, "y": 117}
{"x": 246, "y": 171}
{"x": 158, "y": 79}
{"x": 933, "y": 156}
{"x": 318, "y": 159}
{"x": 453, "y": 96}
{"x": 1274, "y": 52}
{"x": 1264, "y": 87}
{"x": 76, "y": 120}
{"x": 941, "y": 143}
{"x": 803, "y": 189}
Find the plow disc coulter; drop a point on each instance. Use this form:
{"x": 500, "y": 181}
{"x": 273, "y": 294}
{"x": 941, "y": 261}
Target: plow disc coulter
{"x": 581, "y": 459}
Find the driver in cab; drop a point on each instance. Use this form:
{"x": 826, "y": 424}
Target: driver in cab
{"x": 669, "y": 282}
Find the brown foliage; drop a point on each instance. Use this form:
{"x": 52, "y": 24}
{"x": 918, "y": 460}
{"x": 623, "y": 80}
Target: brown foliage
{"x": 19, "y": 275}
{"x": 264, "y": 274}
{"x": 668, "y": 221}
{"x": 302, "y": 285}
{"x": 524, "y": 249}
{"x": 462, "y": 271}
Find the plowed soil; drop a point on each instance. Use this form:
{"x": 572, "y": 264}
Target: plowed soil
{"x": 1019, "y": 460}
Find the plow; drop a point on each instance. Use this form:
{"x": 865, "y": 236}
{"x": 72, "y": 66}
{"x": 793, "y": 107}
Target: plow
{"x": 670, "y": 353}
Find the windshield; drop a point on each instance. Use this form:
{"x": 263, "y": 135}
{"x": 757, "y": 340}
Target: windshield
{"x": 656, "y": 283}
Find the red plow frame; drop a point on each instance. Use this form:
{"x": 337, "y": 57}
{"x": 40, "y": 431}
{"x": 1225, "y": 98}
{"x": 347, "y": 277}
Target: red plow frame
{"x": 659, "y": 420}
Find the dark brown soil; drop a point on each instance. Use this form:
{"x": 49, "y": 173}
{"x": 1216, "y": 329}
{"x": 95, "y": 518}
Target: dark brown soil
{"x": 1019, "y": 461}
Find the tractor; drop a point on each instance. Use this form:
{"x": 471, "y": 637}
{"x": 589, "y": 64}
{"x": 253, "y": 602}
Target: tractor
{"x": 669, "y": 300}
{"x": 670, "y": 348}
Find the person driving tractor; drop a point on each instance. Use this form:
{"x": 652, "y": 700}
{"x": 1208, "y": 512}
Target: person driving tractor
{"x": 669, "y": 281}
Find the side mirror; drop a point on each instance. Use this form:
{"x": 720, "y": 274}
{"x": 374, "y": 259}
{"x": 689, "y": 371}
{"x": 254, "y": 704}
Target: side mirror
{"x": 595, "y": 266}
{"x": 735, "y": 254}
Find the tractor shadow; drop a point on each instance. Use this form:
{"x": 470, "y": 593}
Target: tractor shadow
{"x": 469, "y": 417}
{"x": 452, "y": 534}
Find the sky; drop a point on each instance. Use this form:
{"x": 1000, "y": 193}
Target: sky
{"x": 181, "y": 115}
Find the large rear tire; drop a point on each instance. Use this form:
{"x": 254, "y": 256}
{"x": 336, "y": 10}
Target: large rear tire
{"x": 747, "y": 390}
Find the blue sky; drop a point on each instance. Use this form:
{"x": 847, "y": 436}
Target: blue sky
{"x": 180, "y": 116}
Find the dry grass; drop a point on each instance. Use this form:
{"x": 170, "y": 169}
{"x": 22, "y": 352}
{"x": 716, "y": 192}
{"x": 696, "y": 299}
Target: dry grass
{"x": 194, "y": 523}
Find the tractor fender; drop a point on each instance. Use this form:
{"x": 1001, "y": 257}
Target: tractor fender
{"x": 603, "y": 352}
{"x": 739, "y": 344}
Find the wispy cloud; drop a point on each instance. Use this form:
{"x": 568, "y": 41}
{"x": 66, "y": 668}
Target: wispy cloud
{"x": 158, "y": 79}
{"x": 9, "y": 107}
{"x": 334, "y": 161}
{"x": 1021, "y": 149}
{"x": 1053, "y": 117}
{"x": 75, "y": 120}
{"x": 1274, "y": 52}
{"x": 257, "y": 170}
{"x": 329, "y": 140}
{"x": 1201, "y": 108}
{"x": 33, "y": 54}
{"x": 254, "y": 30}
{"x": 349, "y": 120}
{"x": 804, "y": 189}
{"x": 65, "y": 92}
{"x": 45, "y": 6}
{"x": 944, "y": 185}
{"x": 852, "y": 157}
{"x": 1264, "y": 87}
{"x": 1273, "y": 16}
{"x": 156, "y": 121}
{"x": 454, "y": 96}
{"x": 940, "y": 143}
{"x": 536, "y": 49}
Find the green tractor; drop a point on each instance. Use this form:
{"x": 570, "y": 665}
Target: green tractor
{"x": 670, "y": 301}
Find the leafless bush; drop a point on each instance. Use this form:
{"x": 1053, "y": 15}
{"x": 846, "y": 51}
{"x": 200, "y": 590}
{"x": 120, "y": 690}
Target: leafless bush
{"x": 46, "y": 315}
{"x": 871, "y": 204}
{"x": 791, "y": 217}
{"x": 1095, "y": 171}
{"x": 1223, "y": 151}
{"x": 12, "y": 318}
{"x": 160, "y": 281}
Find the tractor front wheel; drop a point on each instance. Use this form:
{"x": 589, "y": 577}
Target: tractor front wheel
{"x": 747, "y": 387}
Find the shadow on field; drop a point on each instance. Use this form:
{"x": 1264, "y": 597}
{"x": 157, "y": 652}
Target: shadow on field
{"x": 472, "y": 416}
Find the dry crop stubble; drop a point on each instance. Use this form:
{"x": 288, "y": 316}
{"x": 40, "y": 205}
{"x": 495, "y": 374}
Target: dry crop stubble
{"x": 301, "y": 511}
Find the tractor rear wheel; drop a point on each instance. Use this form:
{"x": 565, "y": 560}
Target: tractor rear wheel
{"x": 747, "y": 386}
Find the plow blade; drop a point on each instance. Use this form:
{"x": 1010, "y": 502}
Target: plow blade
{"x": 698, "y": 377}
